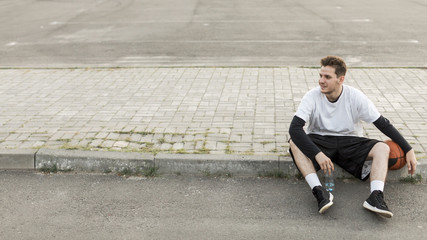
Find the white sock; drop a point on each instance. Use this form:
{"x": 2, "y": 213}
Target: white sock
{"x": 377, "y": 185}
{"x": 313, "y": 180}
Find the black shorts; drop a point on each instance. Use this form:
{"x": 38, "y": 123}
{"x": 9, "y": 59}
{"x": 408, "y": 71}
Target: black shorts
{"x": 348, "y": 152}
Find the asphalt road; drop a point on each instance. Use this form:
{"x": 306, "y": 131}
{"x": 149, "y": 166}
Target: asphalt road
{"x": 99, "y": 206}
{"x": 80, "y": 33}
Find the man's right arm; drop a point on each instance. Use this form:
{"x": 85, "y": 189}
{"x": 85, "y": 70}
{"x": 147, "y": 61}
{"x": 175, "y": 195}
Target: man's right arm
{"x": 300, "y": 138}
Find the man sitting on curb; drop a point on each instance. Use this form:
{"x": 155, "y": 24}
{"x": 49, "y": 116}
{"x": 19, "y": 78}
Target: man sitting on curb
{"x": 334, "y": 112}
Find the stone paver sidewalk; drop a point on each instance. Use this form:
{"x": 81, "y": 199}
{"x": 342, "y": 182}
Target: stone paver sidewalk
{"x": 187, "y": 110}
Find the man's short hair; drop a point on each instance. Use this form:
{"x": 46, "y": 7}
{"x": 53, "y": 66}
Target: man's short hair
{"x": 335, "y": 62}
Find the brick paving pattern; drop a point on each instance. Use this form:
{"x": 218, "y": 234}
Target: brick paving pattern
{"x": 187, "y": 110}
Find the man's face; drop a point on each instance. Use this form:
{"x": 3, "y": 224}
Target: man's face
{"x": 329, "y": 82}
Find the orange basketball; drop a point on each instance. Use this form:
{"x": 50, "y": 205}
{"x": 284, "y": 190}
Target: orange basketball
{"x": 397, "y": 158}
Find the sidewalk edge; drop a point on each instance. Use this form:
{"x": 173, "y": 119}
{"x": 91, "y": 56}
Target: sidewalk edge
{"x": 165, "y": 163}
{"x": 17, "y": 158}
{"x": 91, "y": 161}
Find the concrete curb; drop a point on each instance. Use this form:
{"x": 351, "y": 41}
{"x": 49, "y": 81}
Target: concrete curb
{"x": 216, "y": 164}
{"x": 98, "y": 161}
{"x": 92, "y": 161}
{"x": 17, "y": 158}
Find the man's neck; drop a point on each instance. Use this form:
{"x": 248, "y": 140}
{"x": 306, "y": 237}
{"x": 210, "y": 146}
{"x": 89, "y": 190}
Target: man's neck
{"x": 334, "y": 96}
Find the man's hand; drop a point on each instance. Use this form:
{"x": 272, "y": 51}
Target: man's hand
{"x": 411, "y": 161}
{"x": 324, "y": 162}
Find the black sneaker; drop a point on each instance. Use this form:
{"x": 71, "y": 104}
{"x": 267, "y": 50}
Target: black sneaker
{"x": 324, "y": 198}
{"x": 375, "y": 203}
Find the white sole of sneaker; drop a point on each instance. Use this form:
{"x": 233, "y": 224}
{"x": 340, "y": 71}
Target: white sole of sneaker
{"x": 324, "y": 208}
{"x": 383, "y": 213}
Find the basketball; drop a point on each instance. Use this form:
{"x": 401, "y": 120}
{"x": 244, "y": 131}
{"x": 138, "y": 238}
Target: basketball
{"x": 397, "y": 158}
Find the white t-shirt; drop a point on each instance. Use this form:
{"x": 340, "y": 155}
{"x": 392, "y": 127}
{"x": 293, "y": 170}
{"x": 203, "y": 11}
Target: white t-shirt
{"x": 341, "y": 118}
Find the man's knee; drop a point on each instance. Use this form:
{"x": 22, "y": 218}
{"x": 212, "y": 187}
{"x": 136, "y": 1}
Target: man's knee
{"x": 380, "y": 149}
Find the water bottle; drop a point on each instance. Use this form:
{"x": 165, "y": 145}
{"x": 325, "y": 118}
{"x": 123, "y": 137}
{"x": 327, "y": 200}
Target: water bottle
{"x": 329, "y": 181}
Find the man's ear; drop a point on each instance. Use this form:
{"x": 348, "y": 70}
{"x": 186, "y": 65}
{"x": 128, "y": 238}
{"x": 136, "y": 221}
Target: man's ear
{"x": 341, "y": 79}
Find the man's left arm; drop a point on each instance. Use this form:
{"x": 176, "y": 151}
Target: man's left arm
{"x": 384, "y": 125}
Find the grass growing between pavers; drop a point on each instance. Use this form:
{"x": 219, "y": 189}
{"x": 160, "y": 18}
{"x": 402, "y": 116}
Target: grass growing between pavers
{"x": 150, "y": 141}
{"x": 155, "y": 145}
{"x": 143, "y": 133}
{"x": 249, "y": 152}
